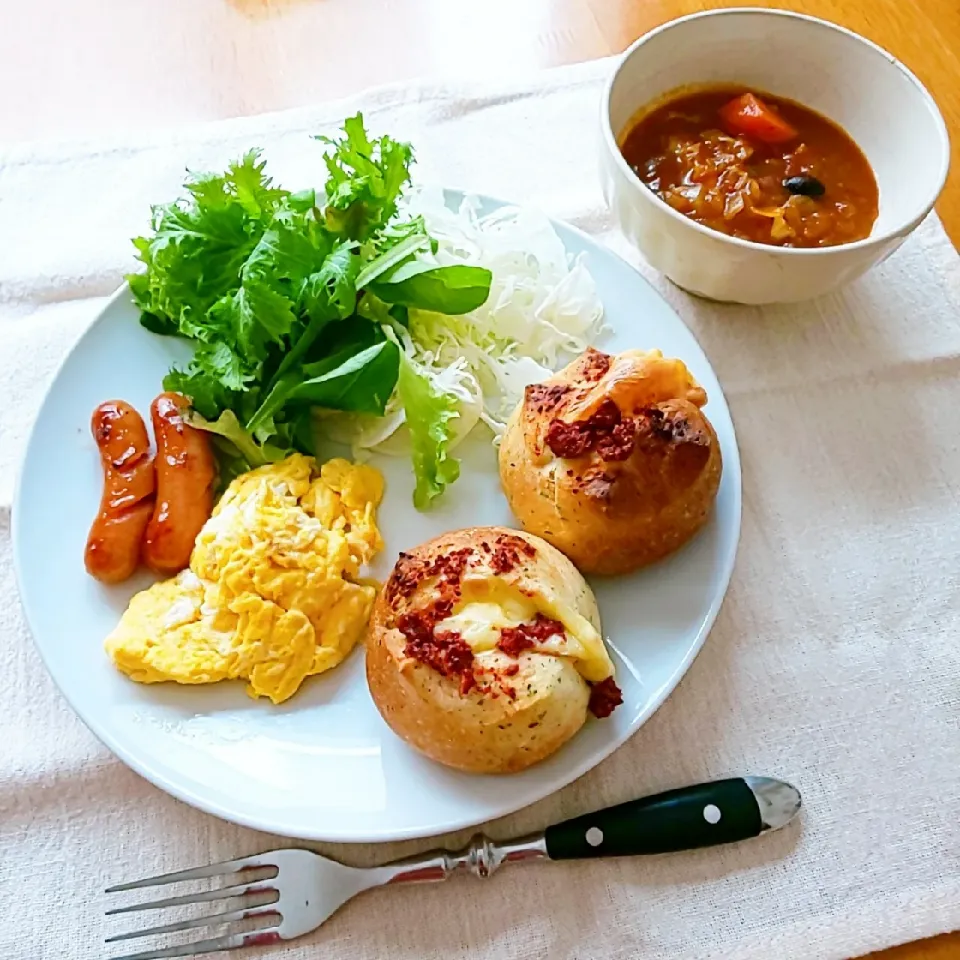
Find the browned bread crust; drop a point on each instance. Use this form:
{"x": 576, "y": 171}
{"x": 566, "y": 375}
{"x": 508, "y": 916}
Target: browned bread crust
{"x": 514, "y": 710}
{"x": 612, "y": 460}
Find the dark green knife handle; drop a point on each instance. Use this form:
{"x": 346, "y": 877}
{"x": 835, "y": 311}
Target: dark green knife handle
{"x": 724, "y": 811}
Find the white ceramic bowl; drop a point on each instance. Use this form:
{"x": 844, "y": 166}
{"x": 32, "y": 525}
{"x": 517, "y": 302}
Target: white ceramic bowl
{"x": 855, "y": 83}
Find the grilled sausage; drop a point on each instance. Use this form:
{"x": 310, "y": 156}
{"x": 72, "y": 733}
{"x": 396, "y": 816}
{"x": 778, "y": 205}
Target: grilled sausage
{"x": 127, "y": 502}
{"x": 186, "y": 471}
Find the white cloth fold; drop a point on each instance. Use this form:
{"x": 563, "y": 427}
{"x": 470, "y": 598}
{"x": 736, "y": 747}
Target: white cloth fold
{"x": 834, "y": 662}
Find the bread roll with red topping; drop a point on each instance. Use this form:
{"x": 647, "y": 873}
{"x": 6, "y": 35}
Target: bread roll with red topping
{"x": 612, "y": 460}
{"x": 484, "y": 650}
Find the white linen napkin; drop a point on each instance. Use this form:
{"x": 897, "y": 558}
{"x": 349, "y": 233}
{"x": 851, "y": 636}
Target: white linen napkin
{"x": 834, "y": 663}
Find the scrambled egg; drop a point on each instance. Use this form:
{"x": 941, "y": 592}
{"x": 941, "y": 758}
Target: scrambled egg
{"x": 273, "y": 592}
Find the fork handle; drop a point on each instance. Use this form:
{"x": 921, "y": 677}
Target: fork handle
{"x": 708, "y": 814}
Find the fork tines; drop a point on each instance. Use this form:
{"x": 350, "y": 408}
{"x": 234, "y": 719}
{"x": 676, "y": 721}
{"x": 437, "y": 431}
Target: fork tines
{"x": 251, "y": 898}
{"x": 197, "y": 947}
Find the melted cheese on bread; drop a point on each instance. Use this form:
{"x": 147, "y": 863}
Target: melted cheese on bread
{"x": 489, "y": 605}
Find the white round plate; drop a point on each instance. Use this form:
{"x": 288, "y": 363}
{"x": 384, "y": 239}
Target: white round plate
{"x": 324, "y": 766}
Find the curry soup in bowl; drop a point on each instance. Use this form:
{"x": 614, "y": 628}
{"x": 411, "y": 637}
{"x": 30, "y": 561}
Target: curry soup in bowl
{"x": 832, "y": 146}
{"x": 755, "y": 166}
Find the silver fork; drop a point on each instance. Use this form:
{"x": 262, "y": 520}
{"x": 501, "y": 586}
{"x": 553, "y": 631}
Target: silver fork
{"x": 305, "y": 888}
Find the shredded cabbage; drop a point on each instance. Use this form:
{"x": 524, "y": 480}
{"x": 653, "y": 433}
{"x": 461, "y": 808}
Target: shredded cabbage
{"x": 543, "y": 308}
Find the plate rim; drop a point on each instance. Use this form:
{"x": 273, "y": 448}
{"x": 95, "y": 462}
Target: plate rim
{"x": 265, "y": 823}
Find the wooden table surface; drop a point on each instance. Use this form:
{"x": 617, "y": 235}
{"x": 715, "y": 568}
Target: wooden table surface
{"x": 98, "y": 66}
{"x": 89, "y": 66}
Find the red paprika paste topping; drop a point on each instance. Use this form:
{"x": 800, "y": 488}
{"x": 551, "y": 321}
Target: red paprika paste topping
{"x": 409, "y": 572}
{"x": 544, "y": 397}
{"x": 450, "y": 566}
{"x": 446, "y": 652}
{"x": 595, "y": 364}
{"x": 569, "y": 440}
{"x": 674, "y": 429}
{"x": 441, "y": 609}
{"x": 606, "y": 431}
{"x": 618, "y": 444}
{"x": 514, "y": 640}
{"x": 507, "y": 552}
{"x": 605, "y": 697}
